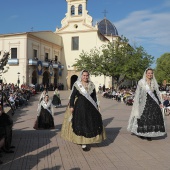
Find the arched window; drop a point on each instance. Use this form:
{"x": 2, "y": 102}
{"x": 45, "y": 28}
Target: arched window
{"x": 72, "y": 10}
{"x": 80, "y": 10}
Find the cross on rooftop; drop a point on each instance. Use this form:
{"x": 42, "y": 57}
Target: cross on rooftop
{"x": 105, "y": 12}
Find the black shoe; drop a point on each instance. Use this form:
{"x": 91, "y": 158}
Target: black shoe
{"x": 12, "y": 147}
{"x": 149, "y": 138}
{"x": 7, "y": 151}
{"x": 142, "y": 137}
{"x": 1, "y": 162}
{"x": 86, "y": 149}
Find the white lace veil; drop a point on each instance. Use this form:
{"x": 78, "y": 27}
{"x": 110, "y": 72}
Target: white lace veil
{"x": 80, "y": 75}
{"x": 79, "y": 79}
{"x": 154, "y": 84}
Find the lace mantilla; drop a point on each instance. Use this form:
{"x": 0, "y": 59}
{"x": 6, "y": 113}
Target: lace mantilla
{"x": 140, "y": 101}
{"x": 47, "y": 106}
{"x": 86, "y": 92}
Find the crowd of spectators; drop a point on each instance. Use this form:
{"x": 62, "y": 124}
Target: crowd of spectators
{"x": 11, "y": 96}
{"x": 166, "y": 99}
{"x": 126, "y": 94}
{"x": 123, "y": 94}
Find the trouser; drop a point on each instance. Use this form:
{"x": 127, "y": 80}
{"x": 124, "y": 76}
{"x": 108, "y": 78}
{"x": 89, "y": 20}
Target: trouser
{"x": 2, "y": 141}
{"x": 8, "y": 136}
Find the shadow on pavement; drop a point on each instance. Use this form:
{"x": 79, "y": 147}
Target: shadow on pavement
{"x": 34, "y": 159}
{"x": 58, "y": 113}
{"x": 29, "y": 145}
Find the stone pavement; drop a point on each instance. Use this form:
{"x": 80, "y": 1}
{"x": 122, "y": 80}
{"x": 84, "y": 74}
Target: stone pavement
{"x": 45, "y": 150}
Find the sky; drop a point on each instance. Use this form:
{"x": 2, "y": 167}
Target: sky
{"x": 145, "y": 23}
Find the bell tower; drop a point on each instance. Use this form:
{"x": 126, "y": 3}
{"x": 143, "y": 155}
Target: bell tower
{"x": 77, "y": 12}
{"x": 76, "y": 7}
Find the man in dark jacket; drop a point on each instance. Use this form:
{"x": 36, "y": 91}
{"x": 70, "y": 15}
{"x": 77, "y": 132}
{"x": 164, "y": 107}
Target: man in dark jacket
{"x": 6, "y": 124}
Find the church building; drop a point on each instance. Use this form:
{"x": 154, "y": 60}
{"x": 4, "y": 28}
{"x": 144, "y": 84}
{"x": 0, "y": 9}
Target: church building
{"x": 48, "y": 57}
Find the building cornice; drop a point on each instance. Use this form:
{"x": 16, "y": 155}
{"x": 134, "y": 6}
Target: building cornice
{"x": 44, "y": 41}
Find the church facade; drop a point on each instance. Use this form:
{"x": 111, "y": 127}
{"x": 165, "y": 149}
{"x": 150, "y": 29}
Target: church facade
{"x": 48, "y": 57}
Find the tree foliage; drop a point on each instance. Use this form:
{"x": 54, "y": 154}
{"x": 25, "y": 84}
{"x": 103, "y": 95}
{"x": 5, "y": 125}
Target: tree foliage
{"x": 162, "y": 69}
{"x": 116, "y": 59}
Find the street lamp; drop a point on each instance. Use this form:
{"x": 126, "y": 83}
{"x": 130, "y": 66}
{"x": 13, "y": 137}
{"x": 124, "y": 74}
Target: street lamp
{"x": 23, "y": 78}
{"x": 18, "y": 78}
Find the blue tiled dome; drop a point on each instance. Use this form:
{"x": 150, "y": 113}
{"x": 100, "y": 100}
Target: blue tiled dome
{"x": 107, "y": 28}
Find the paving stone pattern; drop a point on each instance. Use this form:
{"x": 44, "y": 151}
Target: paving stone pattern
{"x": 45, "y": 150}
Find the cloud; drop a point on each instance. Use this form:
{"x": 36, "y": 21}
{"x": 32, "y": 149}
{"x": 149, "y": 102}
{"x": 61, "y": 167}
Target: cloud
{"x": 166, "y": 4}
{"x": 146, "y": 27}
{"x": 13, "y": 16}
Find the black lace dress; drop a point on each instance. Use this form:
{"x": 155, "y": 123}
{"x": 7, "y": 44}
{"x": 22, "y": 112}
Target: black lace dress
{"x": 151, "y": 121}
{"x": 86, "y": 120}
{"x": 45, "y": 119}
{"x": 56, "y": 100}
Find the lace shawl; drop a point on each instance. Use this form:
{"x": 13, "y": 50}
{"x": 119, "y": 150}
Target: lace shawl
{"x": 48, "y": 106}
{"x": 87, "y": 93}
{"x": 56, "y": 92}
{"x": 90, "y": 87}
{"x": 42, "y": 96}
{"x": 140, "y": 99}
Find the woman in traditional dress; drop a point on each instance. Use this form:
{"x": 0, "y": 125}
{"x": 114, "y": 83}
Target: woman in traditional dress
{"x": 146, "y": 119}
{"x": 82, "y": 121}
{"x": 56, "y": 98}
{"x": 45, "y": 114}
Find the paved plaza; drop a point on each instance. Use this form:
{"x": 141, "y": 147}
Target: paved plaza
{"x": 45, "y": 150}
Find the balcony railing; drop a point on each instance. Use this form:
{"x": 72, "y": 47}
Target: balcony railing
{"x": 33, "y": 62}
{"x": 13, "y": 61}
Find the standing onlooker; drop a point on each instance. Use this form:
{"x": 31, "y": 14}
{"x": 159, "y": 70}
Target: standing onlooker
{"x": 6, "y": 123}
{"x": 2, "y": 135}
{"x": 104, "y": 88}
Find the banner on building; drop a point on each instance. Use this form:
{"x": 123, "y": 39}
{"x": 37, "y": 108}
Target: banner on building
{"x": 50, "y": 68}
{"x": 59, "y": 70}
{"x": 39, "y": 67}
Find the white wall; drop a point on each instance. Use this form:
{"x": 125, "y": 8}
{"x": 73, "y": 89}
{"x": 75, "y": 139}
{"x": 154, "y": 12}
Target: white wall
{"x": 19, "y": 42}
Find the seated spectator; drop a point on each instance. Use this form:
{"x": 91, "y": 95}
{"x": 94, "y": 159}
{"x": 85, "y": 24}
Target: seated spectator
{"x": 22, "y": 99}
{"x": 104, "y": 92}
{"x": 18, "y": 99}
{"x": 118, "y": 96}
{"x": 12, "y": 101}
{"x": 166, "y": 102}
{"x": 113, "y": 93}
